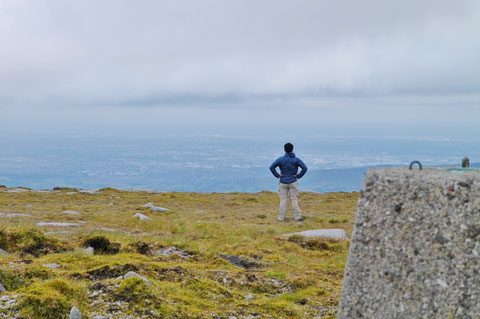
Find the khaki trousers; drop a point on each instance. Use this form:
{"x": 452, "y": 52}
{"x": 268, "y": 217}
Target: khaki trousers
{"x": 285, "y": 191}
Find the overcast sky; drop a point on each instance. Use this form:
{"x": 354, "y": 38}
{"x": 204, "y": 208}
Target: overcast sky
{"x": 179, "y": 62}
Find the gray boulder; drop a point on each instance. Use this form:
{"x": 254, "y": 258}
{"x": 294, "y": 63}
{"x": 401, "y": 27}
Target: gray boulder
{"x": 328, "y": 233}
{"x": 18, "y": 215}
{"x": 156, "y": 209}
{"x": 131, "y": 274}
{"x": 141, "y": 217}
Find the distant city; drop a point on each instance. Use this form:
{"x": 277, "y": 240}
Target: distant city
{"x": 212, "y": 163}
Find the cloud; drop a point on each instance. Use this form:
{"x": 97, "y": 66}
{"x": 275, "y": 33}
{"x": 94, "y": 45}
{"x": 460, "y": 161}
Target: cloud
{"x": 176, "y": 52}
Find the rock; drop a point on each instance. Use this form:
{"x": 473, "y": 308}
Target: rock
{"x": 156, "y": 209}
{"x": 111, "y": 204}
{"x": 249, "y": 297}
{"x": 173, "y": 251}
{"x": 2, "y": 289}
{"x": 17, "y": 215}
{"x": 329, "y": 233}
{"x": 413, "y": 252}
{"x": 3, "y": 252}
{"x": 241, "y": 261}
{"x": 51, "y": 266}
{"x": 55, "y": 224}
{"x": 75, "y": 313}
{"x": 141, "y": 217}
{"x": 131, "y": 274}
{"x": 71, "y": 212}
{"x": 87, "y": 251}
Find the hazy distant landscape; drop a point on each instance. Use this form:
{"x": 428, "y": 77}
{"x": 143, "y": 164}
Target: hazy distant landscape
{"x": 210, "y": 163}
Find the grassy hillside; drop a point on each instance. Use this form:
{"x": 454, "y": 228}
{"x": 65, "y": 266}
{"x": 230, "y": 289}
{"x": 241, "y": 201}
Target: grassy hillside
{"x": 47, "y": 269}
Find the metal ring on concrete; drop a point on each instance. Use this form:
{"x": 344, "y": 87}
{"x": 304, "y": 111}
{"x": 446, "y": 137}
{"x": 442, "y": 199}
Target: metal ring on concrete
{"x": 416, "y": 162}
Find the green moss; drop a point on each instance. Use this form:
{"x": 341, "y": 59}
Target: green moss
{"x": 134, "y": 290}
{"x": 49, "y": 300}
{"x": 11, "y": 280}
{"x": 280, "y": 275}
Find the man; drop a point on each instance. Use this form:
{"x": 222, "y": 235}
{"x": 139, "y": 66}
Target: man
{"x": 288, "y": 186}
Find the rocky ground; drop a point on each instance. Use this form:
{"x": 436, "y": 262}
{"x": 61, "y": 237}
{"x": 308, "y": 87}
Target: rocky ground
{"x": 68, "y": 253}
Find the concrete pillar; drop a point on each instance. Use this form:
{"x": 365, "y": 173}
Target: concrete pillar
{"x": 415, "y": 248}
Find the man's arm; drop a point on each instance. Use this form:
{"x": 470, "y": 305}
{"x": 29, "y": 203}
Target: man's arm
{"x": 303, "y": 167}
{"x": 273, "y": 168}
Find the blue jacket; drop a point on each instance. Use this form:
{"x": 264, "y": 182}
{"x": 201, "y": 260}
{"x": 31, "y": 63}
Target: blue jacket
{"x": 288, "y": 167}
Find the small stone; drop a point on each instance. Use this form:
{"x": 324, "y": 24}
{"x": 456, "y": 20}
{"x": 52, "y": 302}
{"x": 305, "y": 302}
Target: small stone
{"x": 249, "y": 297}
{"x": 141, "y": 217}
{"x": 51, "y": 266}
{"x": 3, "y": 252}
{"x": 442, "y": 283}
{"x": 2, "y": 289}
{"x": 71, "y": 212}
{"x": 476, "y": 249}
{"x": 75, "y": 313}
{"x": 89, "y": 250}
{"x": 131, "y": 274}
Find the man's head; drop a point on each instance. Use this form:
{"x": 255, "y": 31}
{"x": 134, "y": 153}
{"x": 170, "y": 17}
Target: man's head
{"x": 288, "y": 147}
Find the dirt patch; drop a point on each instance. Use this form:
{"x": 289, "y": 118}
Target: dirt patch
{"x": 175, "y": 274}
{"x": 327, "y": 244}
{"x": 244, "y": 262}
{"x": 253, "y": 282}
{"x": 142, "y": 248}
{"x": 30, "y": 241}
{"x": 102, "y": 245}
{"x": 106, "y": 272}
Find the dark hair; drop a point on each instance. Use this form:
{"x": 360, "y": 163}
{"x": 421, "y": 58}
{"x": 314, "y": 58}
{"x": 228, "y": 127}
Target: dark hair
{"x": 288, "y": 147}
